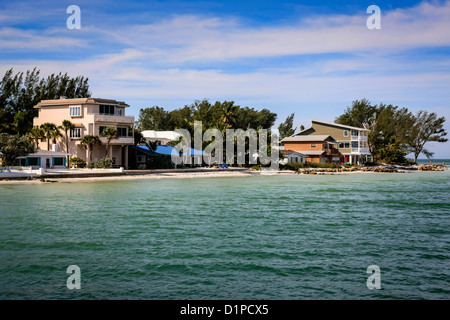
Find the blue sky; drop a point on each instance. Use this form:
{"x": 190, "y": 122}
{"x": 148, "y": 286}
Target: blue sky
{"x": 309, "y": 57}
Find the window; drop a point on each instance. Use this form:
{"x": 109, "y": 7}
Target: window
{"x": 106, "y": 109}
{"x": 355, "y": 133}
{"x": 345, "y": 133}
{"x": 344, "y": 145}
{"x": 325, "y": 146}
{"x": 75, "y": 133}
{"x": 119, "y": 112}
{"x": 33, "y": 161}
{"x": 122, "y": 132}
{"x": 313, "y": 146}
{"x": 58, "y": 161}
{"x": 75, "y": 111}
{"x": 355, "y": 144}
{"x": 100, "y": 129}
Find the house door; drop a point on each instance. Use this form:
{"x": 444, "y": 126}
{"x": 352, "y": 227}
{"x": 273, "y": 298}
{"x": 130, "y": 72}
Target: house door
{"x": 47, "y": 163}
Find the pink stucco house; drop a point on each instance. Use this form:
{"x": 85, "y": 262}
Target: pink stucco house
{"x": 90, "y": 116}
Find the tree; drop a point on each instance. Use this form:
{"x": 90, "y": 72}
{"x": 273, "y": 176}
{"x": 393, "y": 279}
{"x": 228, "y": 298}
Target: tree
{"x": 286, "y": 128}
{"x": 89, "y": 141}
{"x": 228, "y": 114}
{"x": 426, "y": 127}
{"x": 67, "y": 126}
{"x": 154, "y": 118}
{"x": 20, "y": 92}
{"x": 384, "y": 123}
{"x": 392, "y": 152}
{"x": 153, "y": 145}
{"x": 50, "y": 132}
{"x": 109, "y": 133}
{"x": 13, "y": 146}
{"x": 361, "y": 112}
{"x": 36, "y": 134}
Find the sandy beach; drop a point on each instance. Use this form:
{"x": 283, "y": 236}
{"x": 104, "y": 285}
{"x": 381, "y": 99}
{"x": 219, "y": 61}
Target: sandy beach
{"x": 164, "y": 175}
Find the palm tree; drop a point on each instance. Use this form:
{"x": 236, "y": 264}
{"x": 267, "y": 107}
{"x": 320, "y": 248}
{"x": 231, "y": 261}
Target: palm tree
{"x": 228, "y": 116}
{"x": 89, "y": 141}
{"x": 36, "y": 134}
{"x": 152, "y": 145}
{"x": 66, "y": 126}
{"x": 109, "y": 133}
{"x": 50, "y": 130}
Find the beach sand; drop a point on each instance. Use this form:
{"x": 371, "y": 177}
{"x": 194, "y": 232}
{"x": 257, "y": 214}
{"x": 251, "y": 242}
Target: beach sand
{"x": 186, "y": 175}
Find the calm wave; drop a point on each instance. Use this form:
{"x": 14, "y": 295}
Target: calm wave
{"x": 267, "y": 237}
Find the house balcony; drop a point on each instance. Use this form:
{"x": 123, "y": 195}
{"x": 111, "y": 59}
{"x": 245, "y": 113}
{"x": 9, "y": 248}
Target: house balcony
{"x": 359, "y": 138}
{"x": 360, "y": 151}
{"x": 114, "y": 119}
{"x": 120, "y": 141}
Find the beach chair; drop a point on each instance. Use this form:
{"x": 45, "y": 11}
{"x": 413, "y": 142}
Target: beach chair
{"x": 220, "y": 166}
{"x": 225, "y": 166}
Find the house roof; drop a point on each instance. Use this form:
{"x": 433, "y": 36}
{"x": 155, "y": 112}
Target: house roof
{"x": 59, "y": 102}
{"x": 309, "y": 138}
{"x": 313, "y": 153}
{"x": 40, "y": 153}
{"x": 339, "y": 125}
{"x": 290, "y": 152}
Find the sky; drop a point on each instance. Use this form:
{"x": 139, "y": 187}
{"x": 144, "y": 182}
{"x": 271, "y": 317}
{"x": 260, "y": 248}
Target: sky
{"x": 311, "y": 58}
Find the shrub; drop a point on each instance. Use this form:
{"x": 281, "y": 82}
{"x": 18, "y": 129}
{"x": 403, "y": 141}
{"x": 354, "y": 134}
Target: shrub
{"x": 76, "y": 162}
{"x": 314, "y": 165}
{"x": 104, "y": 163}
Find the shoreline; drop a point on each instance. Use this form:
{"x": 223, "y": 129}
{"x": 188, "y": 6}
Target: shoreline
{"x": 197, "y": 173}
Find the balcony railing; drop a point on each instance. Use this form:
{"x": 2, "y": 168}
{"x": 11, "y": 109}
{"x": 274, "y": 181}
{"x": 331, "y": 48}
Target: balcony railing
{"x": 360, "y": 150}
{"x": 121, "y": 140}
{"x": 359, "y": 138}
{"x": 115, "y": 119}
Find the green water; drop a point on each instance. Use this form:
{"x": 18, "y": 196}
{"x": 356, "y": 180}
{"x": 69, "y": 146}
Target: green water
{"x": 263, "y": 237}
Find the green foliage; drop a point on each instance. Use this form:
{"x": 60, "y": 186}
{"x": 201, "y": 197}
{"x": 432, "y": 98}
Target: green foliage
{"x": 20, "y": 92}
{"x": 50, "y": 131}
{"x": 104, "y": 163}
{"x": 286, "y": 128}
{"x": 109, "y": 133}
{"x": 220, "y": 115}
{"x": 88, "y": 142}
{"x": 76, "y": 162}
{"x": 159, "y": 161}
{"x": 394, "y": 131}
{"x": 392, "y": 153}
{"x": 314, "y": 165}
{"x": 13, "y": 146}
{"x": 425, "y": 127}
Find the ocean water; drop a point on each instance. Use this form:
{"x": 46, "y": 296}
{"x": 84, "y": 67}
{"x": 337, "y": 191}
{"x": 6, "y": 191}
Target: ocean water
{"x": 263, "y": 237}
{"x": 434, "y": 161}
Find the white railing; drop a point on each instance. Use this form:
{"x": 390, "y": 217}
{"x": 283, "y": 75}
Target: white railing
{"x": 360, "y": 150}
{"x": 116, "y": 119}
{"x": 121, "y": 140}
